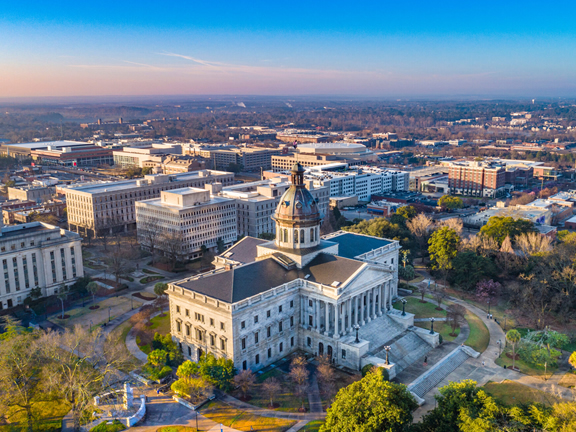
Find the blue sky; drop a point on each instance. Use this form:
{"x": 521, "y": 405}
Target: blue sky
{"x": 388, "y": 49}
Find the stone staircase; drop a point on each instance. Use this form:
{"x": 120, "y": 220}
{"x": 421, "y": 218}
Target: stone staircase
{"x": 406, "y": 350}
{"x": 427, "y": 381}
{"x": 380, "y": 332}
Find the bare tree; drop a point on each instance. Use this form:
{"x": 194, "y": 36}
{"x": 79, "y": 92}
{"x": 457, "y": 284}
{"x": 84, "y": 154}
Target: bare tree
{"x": 326, "y": 376}
{"x": 421, "y": 226}
{"x": 455, "y": 317}
{"x": 423, "y": 289}
{"x": 245, "y": 381}
{"x": 62, "y": 296}
{"x": 271, "y": 387}
{"x": 506, "y": 254}
{"x": 452, "y": 223}
{"x": 299, "y": 375}
{"x": 439, "y": 297}
{"x": 148, "y": 235}
{"x": 93, "y": 288}
{"x": 172, "y": 245}
{"x": 79, "y": 364}
{"x": 118, "y": 260}
{"x": 533, "y": 244}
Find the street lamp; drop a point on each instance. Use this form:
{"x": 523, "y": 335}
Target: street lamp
{"x": 404, "y": 301}
{"x": 387, "y": 349}
{"x": 356, "y": 327}
{"x": 488, "y": 306}
{"x": 499, "y": 347}
{"x": 196, "y": 412}
{"x": 505, "y": 322}
{"x": 545, "y": 369}
{"x": 91, "y": 325}
{"x": 432, "y": 325}
{"x": 109, "y": 309}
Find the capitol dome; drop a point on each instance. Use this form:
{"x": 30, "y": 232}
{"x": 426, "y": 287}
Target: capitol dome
{"x": 297, "y": 216}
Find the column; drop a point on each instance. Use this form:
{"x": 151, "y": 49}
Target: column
{"x": 380, "y": 299}
{"x": 303, "y": 311}
{"x": 390, "y": 295}
{"x": 315, "y": 315}
{"x": 355, "y": 308}
{"x": 326, "y": 318}
{"x": 373, "y": 307}
{"x": 349, "y": 303}
{"x": 361, "y": 316}
{"x": 336, "y": 319}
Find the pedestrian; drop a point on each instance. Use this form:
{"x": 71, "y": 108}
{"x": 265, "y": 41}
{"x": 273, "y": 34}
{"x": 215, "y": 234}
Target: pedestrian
{"x": 490, "y": 316}
{"x": 483, "y": 364}
{"x": 487, "y": 316}
{"x": 158, "y": 391}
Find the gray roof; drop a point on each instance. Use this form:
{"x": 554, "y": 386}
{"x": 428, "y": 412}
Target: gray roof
{"x": 252, "y": 279}
{"x": 244, "y": 251}
{"x": 45, "y": 144}
{"x": 351, "y": 245}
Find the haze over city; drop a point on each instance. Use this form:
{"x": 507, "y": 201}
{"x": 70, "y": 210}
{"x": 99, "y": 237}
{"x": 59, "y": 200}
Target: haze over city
{"x": 377, "y": 49}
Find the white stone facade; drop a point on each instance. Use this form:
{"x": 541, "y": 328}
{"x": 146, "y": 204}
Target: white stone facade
{"x": 37, "y": 255}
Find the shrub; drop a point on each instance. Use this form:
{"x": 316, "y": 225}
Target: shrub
{"x": 440, "y": 339}
{"x": 572, "y": 359}
{"x": 407, "y": 273}
{"x": 367, "y": 369}
{"x": 156, "y": 373}
{"x": 115, "y": 426}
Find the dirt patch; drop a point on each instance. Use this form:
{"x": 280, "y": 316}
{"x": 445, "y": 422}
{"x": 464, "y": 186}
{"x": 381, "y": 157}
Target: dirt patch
{"x": 66, "y": 316}
{"x": 145, "y": 297}
{"x": 245, "y": 399}
{"x": 94, "y": 307}
{"x": 509, "y": 355}
{"x": 422, "y": 301}
{"x": 274, "y": 405}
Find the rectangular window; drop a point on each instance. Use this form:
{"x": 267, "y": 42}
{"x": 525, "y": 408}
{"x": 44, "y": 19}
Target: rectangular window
{"x": 291, "y": 321}
{"x": 280, "y": 309}
{"x": 178, "y": 309}
{"x": 291, "y": 303}
{"x": 6, "y": 276}
{"x": 310, "y": 320}
{"x": 243, "y": 325}
{"x": 343, "y": 354}
{"x": 243, "y": 343}
{"x": 267, "y": 314}
{"x": 212, "y": 322}
{"x": 255, "y": 319}
{"x": 269, "y": 352}
{"x": 189, "y": 352}
{"x": 257, "y": 359}
{"x": 73, "y": 260}
{"x": 280, "y": 326}
{"x": 53, "y": 265}
{"x": 281, "y": 347}
{"x": 15, "y": 268}
{"x": 63, "y": 263}
{"x": 222, "y": 326}
{"x": 256, "y": 337}
{"x": 35, "y": 269}
{"x": 212, "y": 340}
{"x": 244, "y": 366}
{"x": 292, "y": 341}
{"x": 222, "y": 344}
{"x": 178, "y": 326}
{"x": 310, "y": 303}
{"x": 25, "y": 268}
{"x": 187, "y": 312}
{"x": 268, "y": 331}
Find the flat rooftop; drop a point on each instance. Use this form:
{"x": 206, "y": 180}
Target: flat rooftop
{"x": 46, "y": 144}
{"x": 351, "y": 245}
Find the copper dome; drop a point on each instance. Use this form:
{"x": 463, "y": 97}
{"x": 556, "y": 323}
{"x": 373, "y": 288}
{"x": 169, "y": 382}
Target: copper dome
{"x": 297, "y": 204}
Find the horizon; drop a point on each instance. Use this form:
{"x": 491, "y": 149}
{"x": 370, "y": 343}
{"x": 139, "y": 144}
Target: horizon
{"x": 415, "y": 51}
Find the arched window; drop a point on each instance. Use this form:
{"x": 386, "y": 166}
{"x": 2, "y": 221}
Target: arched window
{"x": 285, "y": 236}
{"x": 295, "y": 236}
{"x": 311, "y": 234}
{"x": 302, "y": 236}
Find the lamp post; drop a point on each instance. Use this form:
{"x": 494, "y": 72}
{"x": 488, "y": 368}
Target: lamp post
{"x": 545, "y": 369}
{"x": 109, "y": 309}
{"x": 505, "y": 317}
{"x": 387, "y": 349}
{"x": 196, "y": 412}
{"x": 488, "y": 306}
{"x": 91, "y": 325}
{"x": 132, "y": 307}
{"x": 356, "y": 327}
{"x": 432, "y": 325}
{"x": 499, "y": 347}
{"x": 404, "y": 301}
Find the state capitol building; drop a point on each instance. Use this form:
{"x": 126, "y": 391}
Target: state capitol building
{"x": 301, "y": 291}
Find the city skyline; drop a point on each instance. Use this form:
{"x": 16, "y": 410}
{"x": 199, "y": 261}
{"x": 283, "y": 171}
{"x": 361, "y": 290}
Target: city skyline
{"x": 381, "y": 50}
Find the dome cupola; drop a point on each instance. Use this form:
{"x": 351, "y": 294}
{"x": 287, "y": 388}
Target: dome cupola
{"x": 297, "y": 216}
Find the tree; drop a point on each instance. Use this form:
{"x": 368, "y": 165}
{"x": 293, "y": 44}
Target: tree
{"x": 267, "y": 236}
{"x": 453, "y": 223}
{"x": 157, "y": 358}
{"x": 468, "y": 269}
{"x": 219, "y": 372}
{"x": 572, "y": 359}
{"x": 407, "y": 212}
{"x": 299, "y": 374}
{"x": 420, "y": 227}
{"x": 450, "y": 202}
{"x": 500, "y": 227}
{"x": 423, "y": 289}
{"x": 245, "y": 381}
{"x": 506, "y": 253}
{"x": 79, "y": 365}
{"x": 118, "y": 260}
{"x": 149, "y": 234}
{"x": 513, "y": 336}
{"x": 371, "y": 405}
{"x": 197, "y": 388}
{"x": 160, "y": 289}
{"x": 443, "y": 247}
{"x": 487, "y": 289}
{"x": 326, "y": 376}
{"x": 220, "y": 245}
{"x": 21, "y": 385}
{"x": 93, "y": 288}
{"x": 383, "y": 228}
{"x": 533, "y": 243}
{"x": 172, "y": 245}
{"x": 455, "y": 317}
{"x": 271, "y": 387}
{"x": 62, "y": 296}
{"x": 206, "y": 258}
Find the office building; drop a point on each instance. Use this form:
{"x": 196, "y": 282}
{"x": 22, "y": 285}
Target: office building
{"x": 481, "y": 179}
{"x": 31, "y": 193}
{"x": 76, "y": 156}
{"x": 183, "y": 220}
{"x": 37, "y": 256}
{"x": 135, "y": 157}
{"x": 110, "y": 205}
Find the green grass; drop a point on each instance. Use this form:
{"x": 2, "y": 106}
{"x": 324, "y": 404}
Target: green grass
{"x": 441, "y": 327}
{"x": 512, "y": 393}
{"x": 49, "y": 414}
{"x": 479, "y": 337}
{"x": 243, "y": 421}
{"x": 114, "y": 426}
{"x": 421, "y": 310}
{"x": 285, "y": 398}
{"x": 120, "y": 333}
{"x": 149, "y": 279}
{"x": 313, "y": 426}
{"x": 160, "y": 324}
{"x": 129, "y": 278}
{"x": 525, "y": 367}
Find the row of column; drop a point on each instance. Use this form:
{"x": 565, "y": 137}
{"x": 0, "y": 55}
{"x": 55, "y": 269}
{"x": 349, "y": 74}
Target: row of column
{"x": 339, "y": 318}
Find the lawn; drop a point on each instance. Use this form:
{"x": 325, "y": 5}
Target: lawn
{"x": 421, "y": 310}
{"x": 106, "y": 426}
{"x": 149, "y": 271}
{"x": 240, "y": 420}
{"x": 479, "y": 337}
{"x": 313, "y": 426}
{"x": 441, "y": 327}
{"x": 120, "y": 334}
{"x": 285, "y": 398}
{"x": 177, "y": 429}
{"x": 83, "y": 315}
{"x": 159, "y": 324}
{"x": 149, "y": 279}
{"x": 568, "y": 380}
{"x": 512, "y": 393}
{"x": 49, "y": 416}
{"x": 525, "y": 367}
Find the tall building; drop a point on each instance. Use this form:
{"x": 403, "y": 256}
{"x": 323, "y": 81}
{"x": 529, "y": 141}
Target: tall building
{"x": 110, "y": 205}
{"x": 299, "y": 292}
{"x": 257, "y": 202}
{"x": 37, "y": 256}
{"x": 481, "y": 179}
{"x": 250, "y": 158}
{"x": 183, "y": 220}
